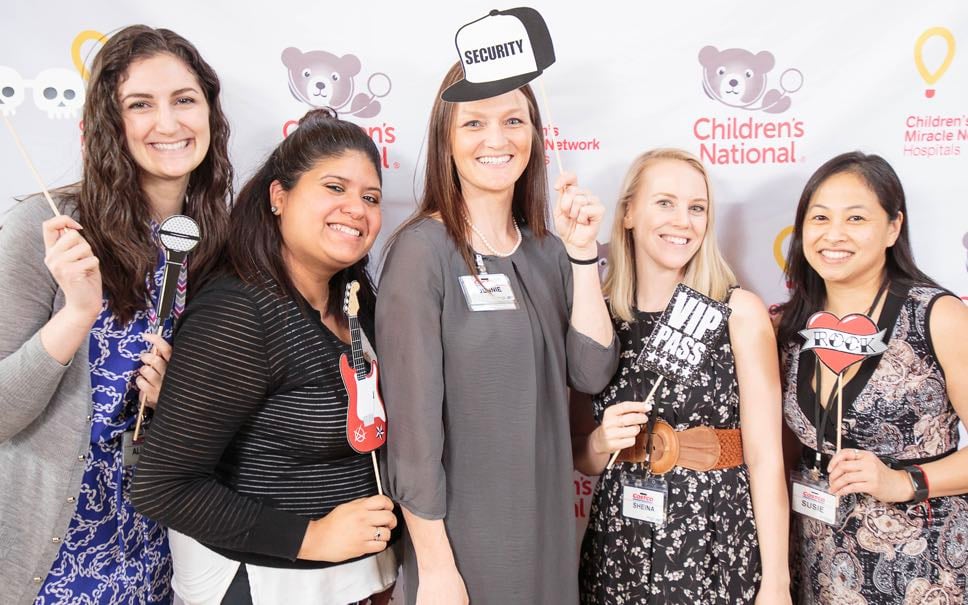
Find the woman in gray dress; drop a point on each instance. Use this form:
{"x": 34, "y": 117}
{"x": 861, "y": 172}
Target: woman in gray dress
{"x": 483, "y": 320}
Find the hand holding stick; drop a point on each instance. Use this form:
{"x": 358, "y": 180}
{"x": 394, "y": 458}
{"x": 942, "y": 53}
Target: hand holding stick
{"x": 648, "y": 401}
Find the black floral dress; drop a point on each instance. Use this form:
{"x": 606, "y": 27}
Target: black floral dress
{"x": 706, "y": 552}
{"x": 884, "y": 553}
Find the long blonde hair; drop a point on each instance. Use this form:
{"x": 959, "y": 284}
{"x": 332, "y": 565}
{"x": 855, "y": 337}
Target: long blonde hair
{"x": 706, "y": 272}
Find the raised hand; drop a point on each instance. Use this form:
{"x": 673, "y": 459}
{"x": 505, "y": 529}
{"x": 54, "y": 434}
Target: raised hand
{"x": 74, "y": 267}
{"x": 578, "y": 217}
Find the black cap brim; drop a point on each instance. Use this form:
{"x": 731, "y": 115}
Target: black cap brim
{"x": 464, "y": 91}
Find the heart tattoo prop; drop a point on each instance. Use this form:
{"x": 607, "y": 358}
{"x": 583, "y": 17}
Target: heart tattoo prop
{"x": 840, "y": 343}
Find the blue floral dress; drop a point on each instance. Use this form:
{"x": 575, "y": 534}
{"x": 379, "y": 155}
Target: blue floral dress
{"x": 112, "y": 554}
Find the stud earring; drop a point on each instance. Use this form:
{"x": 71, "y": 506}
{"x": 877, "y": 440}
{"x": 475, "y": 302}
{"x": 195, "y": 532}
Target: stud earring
{"x": 273, "y": 210}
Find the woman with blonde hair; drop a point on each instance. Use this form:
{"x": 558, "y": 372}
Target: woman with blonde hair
{"x": 718, "y": 517}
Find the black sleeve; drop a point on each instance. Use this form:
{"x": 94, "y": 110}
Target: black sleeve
{"x": 218, "y": 377}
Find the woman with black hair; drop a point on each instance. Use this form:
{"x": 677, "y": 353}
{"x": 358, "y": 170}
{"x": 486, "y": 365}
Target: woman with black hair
{"x": 902, "y": 535}
{"x": 248, "y": 461}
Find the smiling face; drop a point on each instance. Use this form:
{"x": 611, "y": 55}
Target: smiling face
{"x": 846, "y": 231}
{"x": 491, "y": 143}
{"x": 331, "y": 216}
{"x": 668, "y": 215}
{"x": 166, "y": 118}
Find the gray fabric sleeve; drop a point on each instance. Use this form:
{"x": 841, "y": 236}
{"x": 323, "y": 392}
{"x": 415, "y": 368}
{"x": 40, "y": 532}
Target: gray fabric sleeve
{"x": 408, "y": 338}
{"x": 590, "y": 365}
{"x": 29, "y": 376}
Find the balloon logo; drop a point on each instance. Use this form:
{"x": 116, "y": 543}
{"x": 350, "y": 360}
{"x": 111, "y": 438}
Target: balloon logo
{"x": 778, "y": 246}
{"x": 88, "y": 35}
{"x": 931, "y": 77}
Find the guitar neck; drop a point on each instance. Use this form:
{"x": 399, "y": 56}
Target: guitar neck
{"x": 356, "y": 342}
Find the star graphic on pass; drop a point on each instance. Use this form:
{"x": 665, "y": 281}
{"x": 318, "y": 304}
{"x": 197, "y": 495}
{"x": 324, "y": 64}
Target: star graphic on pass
{"x": 359, "y": 434}
{"x": 379, "y": 432}
{"x": 652, "y": 356}
{"x": 674, "y": 366}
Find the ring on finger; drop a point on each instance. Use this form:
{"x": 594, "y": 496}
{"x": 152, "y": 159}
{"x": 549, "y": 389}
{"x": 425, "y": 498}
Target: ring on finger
{"x": 376, "y": 535}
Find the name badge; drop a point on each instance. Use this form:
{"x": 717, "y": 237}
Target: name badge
{"x": 488, "y": 292}
{"x": 131, "y": 449}
{"x": 644, "y": 500}
{"x": 811, "y": 499}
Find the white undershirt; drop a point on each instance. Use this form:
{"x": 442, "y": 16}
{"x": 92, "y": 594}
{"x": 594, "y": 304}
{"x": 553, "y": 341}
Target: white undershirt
{"x": 201, "y": 577}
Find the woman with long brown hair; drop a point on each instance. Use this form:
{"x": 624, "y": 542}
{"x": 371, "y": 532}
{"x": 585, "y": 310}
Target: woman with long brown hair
{"x": 77, "y": 325}
{"x": 483, "y": 319}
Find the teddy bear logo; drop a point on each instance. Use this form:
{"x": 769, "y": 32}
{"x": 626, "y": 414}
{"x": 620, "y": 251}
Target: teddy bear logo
{"x": 738, "y": 78}
{"x": 321, "y": 79}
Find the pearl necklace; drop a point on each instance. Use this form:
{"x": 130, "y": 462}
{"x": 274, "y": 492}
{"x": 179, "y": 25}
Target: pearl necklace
{"x": 488, "y": 245}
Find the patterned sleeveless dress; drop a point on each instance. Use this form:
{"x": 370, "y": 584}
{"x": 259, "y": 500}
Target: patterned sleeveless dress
{"x": 883, "y": 553}
{"x": 706, "y": 552}
{"x": 111, "y": 553}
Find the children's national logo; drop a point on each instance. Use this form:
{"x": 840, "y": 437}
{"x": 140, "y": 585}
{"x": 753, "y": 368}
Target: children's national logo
{"x": 744, "y": 82}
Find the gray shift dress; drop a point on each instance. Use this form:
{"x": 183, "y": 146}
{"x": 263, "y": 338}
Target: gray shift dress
{"x": 477, "y": 412}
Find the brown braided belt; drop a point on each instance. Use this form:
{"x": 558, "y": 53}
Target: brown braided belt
{"x": 700, "y": 448}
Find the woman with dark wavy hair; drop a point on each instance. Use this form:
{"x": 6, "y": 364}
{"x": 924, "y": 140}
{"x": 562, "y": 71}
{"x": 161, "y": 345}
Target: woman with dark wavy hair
{"x": 903, "y": 527}
{"x": 77, "y": 342}
{"x": 248, "y": 462}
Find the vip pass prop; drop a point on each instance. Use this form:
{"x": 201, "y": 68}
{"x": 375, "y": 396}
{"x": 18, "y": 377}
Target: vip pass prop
{"x": 366, "y": 418}
{"x": 840, "y": 343}
{"x": 179, "y": 235}
{"x": 500, "y": 52}
{"x": 682, "y": 341}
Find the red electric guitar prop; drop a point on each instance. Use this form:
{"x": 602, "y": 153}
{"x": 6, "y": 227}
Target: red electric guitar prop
{"x": 366, "y": 419}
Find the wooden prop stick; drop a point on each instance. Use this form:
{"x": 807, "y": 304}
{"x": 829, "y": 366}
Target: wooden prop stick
{"x": 142, "y": 398}
{"x": 551, "y": 130}
{"x": 840, "y": 407}
{"x": 648, "y": 398}
{"x": 376, "y": 473}
{"x": 30, "y": 164}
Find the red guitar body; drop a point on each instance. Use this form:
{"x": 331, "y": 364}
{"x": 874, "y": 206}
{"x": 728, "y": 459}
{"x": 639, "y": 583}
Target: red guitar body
{"x": 366, "y": 423}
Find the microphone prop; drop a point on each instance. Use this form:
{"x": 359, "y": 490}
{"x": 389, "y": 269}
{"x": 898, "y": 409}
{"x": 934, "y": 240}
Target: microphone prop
{"x": 179, "y": 234}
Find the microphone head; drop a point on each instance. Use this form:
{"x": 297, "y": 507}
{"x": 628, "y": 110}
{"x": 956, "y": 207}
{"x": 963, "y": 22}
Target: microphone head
{"x": 179, "y": 233}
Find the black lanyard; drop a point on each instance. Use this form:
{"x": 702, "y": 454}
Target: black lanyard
{"x": 820, "y": 420}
